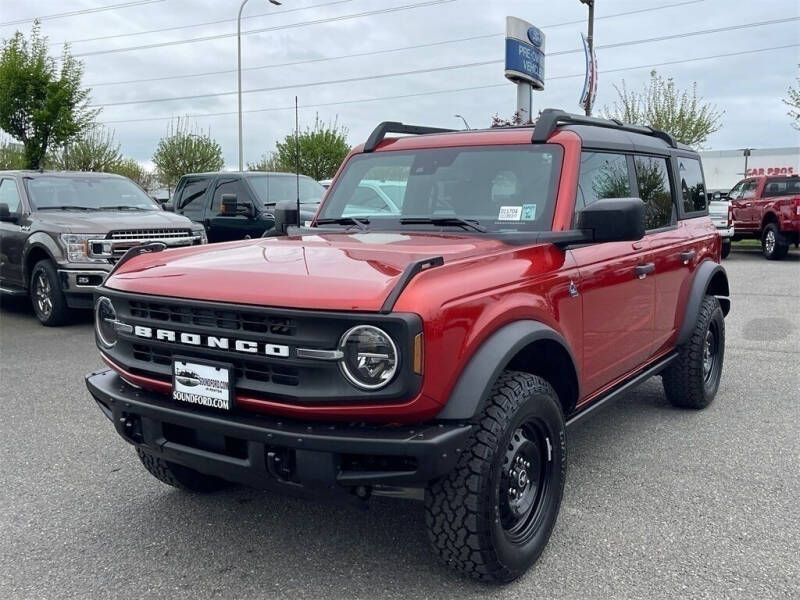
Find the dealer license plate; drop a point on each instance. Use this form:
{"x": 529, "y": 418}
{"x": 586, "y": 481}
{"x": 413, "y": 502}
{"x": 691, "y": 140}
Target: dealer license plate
{"x": 202, "y": 383}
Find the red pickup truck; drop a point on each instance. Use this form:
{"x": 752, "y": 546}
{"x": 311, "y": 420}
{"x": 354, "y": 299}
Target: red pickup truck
{"x": 767, "y": 209}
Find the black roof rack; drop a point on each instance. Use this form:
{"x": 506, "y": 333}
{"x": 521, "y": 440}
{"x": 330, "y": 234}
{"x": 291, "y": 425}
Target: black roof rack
{"x": 377, "y": 135}
{"x": 550, "y": 118}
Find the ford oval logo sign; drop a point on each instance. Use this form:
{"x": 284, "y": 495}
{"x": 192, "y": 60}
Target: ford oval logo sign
{"x": 535, "y": 36}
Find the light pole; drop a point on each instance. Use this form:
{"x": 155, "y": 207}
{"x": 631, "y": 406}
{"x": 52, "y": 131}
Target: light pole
{"x": 239, "y": 73}
{"x": 590, "y": 42}
{"x": 746, "y": 153}
{"x": 466, "y": 125}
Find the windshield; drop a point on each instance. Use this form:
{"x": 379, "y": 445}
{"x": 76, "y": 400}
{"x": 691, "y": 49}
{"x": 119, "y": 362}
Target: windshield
{"x": 499, "y": 188}
{"x": 92, "y": 193}
{"x": 277, "y": 188}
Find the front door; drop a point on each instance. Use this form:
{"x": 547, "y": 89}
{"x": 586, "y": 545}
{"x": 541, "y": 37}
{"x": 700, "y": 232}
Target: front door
{"x": 223, "y": 227}
{"x": 616, "y": 288}
{"x": 742, "y": 198}
{"x": 12, "y": 234}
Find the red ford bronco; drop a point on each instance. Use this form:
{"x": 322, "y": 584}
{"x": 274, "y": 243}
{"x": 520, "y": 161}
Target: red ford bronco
{"x": 438, "y": 336}
{"x": 767, "y": 209}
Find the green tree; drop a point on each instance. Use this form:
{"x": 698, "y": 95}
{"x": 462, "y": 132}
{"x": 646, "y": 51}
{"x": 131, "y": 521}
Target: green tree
{"x": 793, "y": 102}
{"x": 130, "y": 168}
{"x": 323, "y": 147}
{"x": 11, "y": 156}
{"x": 95, "y": 150}
{"x": 661, "y": 105}
{"x": 41, "y": 104}
{"x": 185, "y": 150}
{"x": 269, "y": 163}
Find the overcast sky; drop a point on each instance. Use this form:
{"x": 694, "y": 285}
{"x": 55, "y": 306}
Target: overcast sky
{"x": 747, "y": 86}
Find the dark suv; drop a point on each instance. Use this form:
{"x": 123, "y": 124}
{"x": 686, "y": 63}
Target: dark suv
{"x": 208, "y": 198}
{"x": 524, "y": 277}
{"x": 61, "y": 232}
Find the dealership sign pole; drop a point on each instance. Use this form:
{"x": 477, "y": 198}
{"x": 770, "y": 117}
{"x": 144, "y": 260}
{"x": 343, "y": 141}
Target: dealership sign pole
{"x": 524, "y": 62}
{"x": 590, "y": 81}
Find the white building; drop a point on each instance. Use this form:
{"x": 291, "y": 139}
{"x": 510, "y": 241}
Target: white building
{"x": 723, "y": 168}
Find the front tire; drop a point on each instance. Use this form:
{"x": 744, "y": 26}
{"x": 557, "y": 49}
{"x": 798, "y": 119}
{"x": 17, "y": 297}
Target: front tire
{"x": 492, "y": 516}
{"x": 179, "y": 476}
{"x": 773, "y": 245}
{"x": 692, "y": 380}
{"x": 726, "y": 248}
{"x": 46, "y": 296}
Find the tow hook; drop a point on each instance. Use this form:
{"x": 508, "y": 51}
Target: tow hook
{"x": 279, "y": 464}
{"x": 362, "y": 493}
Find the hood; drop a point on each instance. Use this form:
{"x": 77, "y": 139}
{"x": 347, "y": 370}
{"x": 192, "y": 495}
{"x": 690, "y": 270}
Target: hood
{"x": 108, "y": 220}
{"x": 327, "y": 271}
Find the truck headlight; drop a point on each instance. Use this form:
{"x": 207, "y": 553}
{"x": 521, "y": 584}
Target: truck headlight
{"x": 105, "y": 322}
{"x": 201, "y": 231}
{"x": 76, "y": 247}
{"x": 370, "y": 357}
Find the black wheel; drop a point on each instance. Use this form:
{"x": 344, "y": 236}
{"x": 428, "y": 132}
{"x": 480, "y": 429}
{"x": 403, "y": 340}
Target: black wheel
{"x": 493, "y": 515}
{"x": 692, "y": 380}
{"x": 47, "y": 298}
{"x": 773, "y": 245}
{"x": 726, "y": 248}
{"x": 179, "y": 476}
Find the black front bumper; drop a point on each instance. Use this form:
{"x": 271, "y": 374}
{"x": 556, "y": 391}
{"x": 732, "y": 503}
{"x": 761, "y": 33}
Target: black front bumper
{"x": 243, "y": 448}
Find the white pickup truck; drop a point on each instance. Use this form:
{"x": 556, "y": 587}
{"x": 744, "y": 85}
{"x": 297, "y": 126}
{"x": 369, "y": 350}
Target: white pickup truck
{"x": 719, "y": 210}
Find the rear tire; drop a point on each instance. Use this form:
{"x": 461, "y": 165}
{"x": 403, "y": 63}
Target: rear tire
{"x": 179, "y": 476}
{"x": 726, "y": 248}
{"x": 692, "y": 380}
{"x": 492, "y": 516}
{"x": 47, "y": 299}
{"x": 773, "y": 245}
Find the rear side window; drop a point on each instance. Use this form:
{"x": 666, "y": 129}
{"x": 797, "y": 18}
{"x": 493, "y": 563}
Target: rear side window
{"x": 693, "y": 188}
{"x": 782, "y": 186}
{"x": 9, "y": 195}
{"x": 602, "y": 175}
{"x": 192, "y": 197}
{"x": 655, "y": 191}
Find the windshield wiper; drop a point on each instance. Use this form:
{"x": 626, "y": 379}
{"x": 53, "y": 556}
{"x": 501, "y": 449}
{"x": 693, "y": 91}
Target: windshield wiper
{"x": 65, "y": 207}
{"x": 362, "y": 224}
{"x": 124, "y": 207}
{"x": 465, "y": 223}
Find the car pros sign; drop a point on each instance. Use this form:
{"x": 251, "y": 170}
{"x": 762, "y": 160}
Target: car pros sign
{"x": 524, "y": 53}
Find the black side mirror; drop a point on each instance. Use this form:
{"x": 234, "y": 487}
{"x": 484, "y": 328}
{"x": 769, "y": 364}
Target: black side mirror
{"x": 614, "y": 219}
{"x": 168, "y": 207}
{"x": 5, "y": 214}
{"x": 285, "y": 217}
{"x": 231, "y": 206}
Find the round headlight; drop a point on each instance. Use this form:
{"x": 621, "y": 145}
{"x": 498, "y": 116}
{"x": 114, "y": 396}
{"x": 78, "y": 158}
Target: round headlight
{"x": 105, "y": 318}
{"x": 370, "y": 357}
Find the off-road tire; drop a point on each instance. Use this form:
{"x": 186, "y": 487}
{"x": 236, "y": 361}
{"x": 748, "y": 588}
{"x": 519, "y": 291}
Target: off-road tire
{"x": 462, "y": 509}
{"x": 59, "y": 313}
{"x": 685, "y": 381}
{"x": 726, "y": 248}
{"x": 777, "y": 249}
{"x": 179, "y": 476}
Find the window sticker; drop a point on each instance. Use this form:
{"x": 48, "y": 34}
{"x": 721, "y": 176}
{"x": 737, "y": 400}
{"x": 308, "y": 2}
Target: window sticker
{"x": 510, "y": 213}
{"x": 528, "y": 212}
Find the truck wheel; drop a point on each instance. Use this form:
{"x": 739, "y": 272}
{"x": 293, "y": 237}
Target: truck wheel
{"x": 692, "y": 380}
{"x": 47, "y": 298}
{"x": 492, "y": 516}
{"x": 773, "y": 245}
{"x": 179, "y": 476}
{"x": 726, "y": 248}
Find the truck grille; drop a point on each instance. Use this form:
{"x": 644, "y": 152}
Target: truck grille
{"x": 232, "y": 320}
{"x": 149, "y": 234}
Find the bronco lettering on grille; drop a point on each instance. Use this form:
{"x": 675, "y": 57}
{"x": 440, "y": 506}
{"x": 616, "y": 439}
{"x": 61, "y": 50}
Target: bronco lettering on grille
{"x": 210, "y": 341}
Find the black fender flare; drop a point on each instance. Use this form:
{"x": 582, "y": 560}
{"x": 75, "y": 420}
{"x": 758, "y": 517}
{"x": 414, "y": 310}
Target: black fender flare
{"x": 484, "y": 367}
{"x": 39, "y": 240}
{"x": 709, "y": 277}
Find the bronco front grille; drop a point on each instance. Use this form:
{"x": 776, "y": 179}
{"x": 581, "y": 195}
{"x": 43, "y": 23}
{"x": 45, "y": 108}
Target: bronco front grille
{"x": 234, "y": 320}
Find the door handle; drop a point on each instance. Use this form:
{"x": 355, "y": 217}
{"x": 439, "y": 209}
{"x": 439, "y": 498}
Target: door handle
{"x": 688, "y": 256}
{"x": 642, "y": 270}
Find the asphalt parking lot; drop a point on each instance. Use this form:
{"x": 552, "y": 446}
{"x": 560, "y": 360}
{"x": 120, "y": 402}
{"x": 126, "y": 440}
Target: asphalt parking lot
{"x": 660, "y": 502}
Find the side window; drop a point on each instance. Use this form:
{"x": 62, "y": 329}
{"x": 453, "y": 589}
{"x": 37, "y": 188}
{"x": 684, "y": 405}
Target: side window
{"x": 736, "y": 191}
{"x": 602, "y": 175}
{"x": 230, "y": 186}
{"x": 693, "y": 188}
{"x": 655, "y": 191}
{"x": 10, "y": 195}
{"x": 193, "y": 197}
{"x": 749, "y": 189}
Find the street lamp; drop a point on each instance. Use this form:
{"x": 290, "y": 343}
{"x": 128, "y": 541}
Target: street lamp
{"x": 590, "y": 43}
{"x": 239, "y": 73}
{"x": 466, "y": 125}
